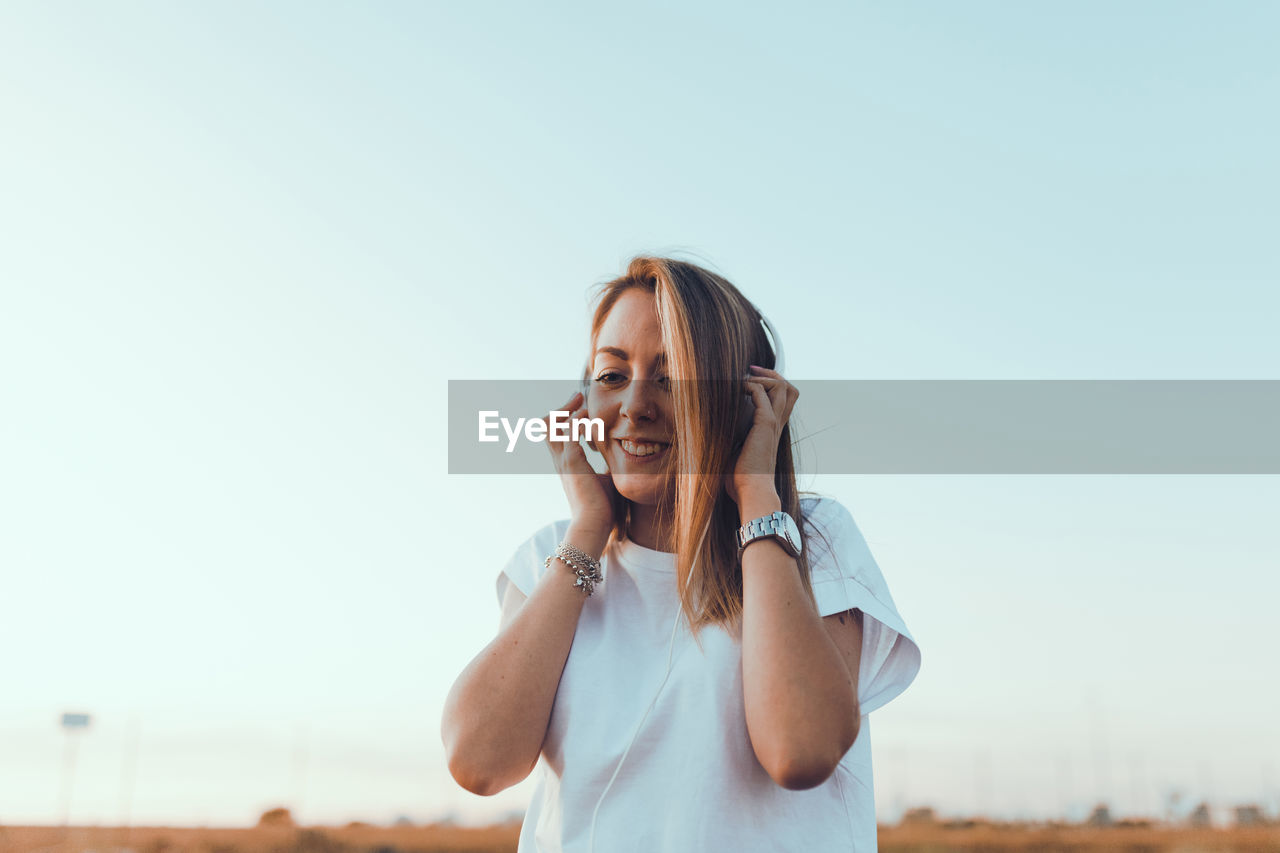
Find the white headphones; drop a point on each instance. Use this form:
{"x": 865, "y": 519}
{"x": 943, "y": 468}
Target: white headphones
{"x": 777, "y": 345}
{"x": 778, "y": 366}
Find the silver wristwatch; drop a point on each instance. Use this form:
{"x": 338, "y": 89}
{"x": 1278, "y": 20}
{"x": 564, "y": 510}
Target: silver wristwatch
{"x": 778, "y": 525}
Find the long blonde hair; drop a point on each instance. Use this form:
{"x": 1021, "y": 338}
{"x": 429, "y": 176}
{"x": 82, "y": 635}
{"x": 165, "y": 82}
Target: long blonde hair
{"x": 711, "y": 334}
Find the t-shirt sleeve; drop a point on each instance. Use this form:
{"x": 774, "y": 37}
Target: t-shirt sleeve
{"x": 528, "y": 563}
{"x": 846, "y": 577}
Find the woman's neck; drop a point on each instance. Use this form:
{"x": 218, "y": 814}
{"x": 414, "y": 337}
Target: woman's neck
{"x": 645, "y": 532}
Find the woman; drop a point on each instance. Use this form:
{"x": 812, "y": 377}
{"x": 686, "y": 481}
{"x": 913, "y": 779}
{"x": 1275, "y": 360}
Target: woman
{"x": 686, "y": 687}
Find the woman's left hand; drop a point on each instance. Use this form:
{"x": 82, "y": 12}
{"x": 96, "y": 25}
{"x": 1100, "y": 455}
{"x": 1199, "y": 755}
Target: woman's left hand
{"x": 754, "y": 468}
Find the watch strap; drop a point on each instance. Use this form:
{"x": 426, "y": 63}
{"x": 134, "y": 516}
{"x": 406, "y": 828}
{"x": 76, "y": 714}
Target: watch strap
{"x": 772, "y": 525}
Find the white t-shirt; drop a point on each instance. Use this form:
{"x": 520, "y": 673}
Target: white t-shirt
{"x": 691, "y": 781}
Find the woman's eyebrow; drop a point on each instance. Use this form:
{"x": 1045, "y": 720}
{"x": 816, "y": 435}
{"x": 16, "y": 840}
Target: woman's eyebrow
{"x": 622, "y": 354}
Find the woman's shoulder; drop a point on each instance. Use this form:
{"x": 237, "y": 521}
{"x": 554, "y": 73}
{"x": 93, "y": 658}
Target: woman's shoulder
{"x": 822, "y": 510}
{"x": 526, "y": 564}
{"x": 831, "y": 535}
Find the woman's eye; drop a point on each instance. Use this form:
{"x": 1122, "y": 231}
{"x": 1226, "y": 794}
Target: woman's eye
{"x": 615, "y": 378}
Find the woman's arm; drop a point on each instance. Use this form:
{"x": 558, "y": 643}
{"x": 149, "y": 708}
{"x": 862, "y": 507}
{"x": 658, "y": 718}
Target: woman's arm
{"x": 496, "y": 715}
{"x": 497, "y": 712}
{"x": 799, "y": 670}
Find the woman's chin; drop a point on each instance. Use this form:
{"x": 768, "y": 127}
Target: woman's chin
{"x": 645, "y": 489}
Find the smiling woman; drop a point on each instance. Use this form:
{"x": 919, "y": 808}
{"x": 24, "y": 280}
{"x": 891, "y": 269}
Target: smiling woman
{"x": 740, "y": 632}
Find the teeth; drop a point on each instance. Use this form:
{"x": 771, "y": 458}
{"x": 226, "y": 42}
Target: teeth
{"x": 640, "y": 449}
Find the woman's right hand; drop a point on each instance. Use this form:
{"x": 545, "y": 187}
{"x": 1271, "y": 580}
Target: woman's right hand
{"x": 592, "y": 497}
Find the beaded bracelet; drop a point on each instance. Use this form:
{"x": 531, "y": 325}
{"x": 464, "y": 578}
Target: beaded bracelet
{"x": 586, "y": 569}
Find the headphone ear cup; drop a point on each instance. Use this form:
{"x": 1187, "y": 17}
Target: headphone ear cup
{"x": 778, "y": 364}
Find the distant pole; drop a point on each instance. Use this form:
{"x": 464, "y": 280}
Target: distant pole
{"x": 983, "y": 782}
{"x": 129, "y": 770}
{"x": 1101, "y": 761}
{"x": 301, "y": 748}
{"x": 1268, "y": 792}
{"x": 904, "y": 782}
{"x": 1064, "y": 785}
{"x": 1268, "y": 795}
{"x": 1144, "y": 786}
{"x": 72, "y": 724}
{"x": 1206, "y": 781}
{"x": 1135, "y": 786}
{"x": 899, "y": 757}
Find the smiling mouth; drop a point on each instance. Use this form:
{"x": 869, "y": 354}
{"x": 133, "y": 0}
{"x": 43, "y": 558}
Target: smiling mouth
{"x": 643, "y": 451}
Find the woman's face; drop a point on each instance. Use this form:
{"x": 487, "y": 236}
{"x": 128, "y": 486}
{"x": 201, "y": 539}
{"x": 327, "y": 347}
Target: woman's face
{"x": 630, "y": 392}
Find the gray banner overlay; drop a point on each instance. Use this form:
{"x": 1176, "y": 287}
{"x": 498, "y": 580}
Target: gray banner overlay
{"x": 1090, "y": 426}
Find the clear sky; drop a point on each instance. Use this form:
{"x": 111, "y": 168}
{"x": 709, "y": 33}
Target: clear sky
{"x": 244, "y": 246}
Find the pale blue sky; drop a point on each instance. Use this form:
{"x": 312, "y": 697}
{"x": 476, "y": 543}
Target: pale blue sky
{"x": 246, "y": 245}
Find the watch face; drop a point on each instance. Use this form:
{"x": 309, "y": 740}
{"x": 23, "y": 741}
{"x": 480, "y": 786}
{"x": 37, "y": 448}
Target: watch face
{"x": 793, "y": 532}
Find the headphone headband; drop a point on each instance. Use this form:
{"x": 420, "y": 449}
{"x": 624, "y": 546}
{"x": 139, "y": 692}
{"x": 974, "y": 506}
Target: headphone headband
{"x": 778, "y": 364}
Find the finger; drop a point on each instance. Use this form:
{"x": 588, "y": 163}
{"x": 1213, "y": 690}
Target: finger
{"x": 788, "y": 409}
{"x": 779, "y": 390}
{"x": 771, "y": 379}
{"x": 776, "y": 391}
{"x": 764, "y": 406}
{"x": 571, "y": 404}
{"x": 574, "y": 449}
{"x": 779, "y": 398}
{"x": 546, "y": 418}
{"x": 779, "y": 401}
{"x": 559, "y": 449}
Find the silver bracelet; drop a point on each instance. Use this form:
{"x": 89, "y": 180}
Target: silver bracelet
{"x": 584, "y": 567}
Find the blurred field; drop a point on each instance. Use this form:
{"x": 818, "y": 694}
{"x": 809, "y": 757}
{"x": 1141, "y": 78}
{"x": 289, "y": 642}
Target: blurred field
{"x": 359, "y": 838}
{"x": 270, "y": 839}
{"x": 1062, "y": 838}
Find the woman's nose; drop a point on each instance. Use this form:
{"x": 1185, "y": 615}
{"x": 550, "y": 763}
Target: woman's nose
{"x": 638, "y": 404}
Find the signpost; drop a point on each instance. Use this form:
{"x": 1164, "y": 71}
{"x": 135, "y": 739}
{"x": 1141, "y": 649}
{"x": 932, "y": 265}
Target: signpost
{"x": 72, "y": 724}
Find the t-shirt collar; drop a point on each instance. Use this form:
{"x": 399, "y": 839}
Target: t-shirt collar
{"x": 645, "y": 558}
